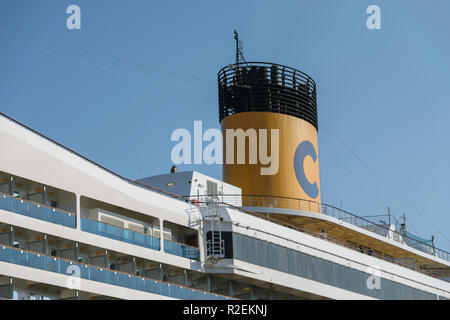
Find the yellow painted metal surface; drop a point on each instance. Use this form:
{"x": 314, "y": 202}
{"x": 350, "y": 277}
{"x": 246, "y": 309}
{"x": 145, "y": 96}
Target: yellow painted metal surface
{"x": 285, "y": 183}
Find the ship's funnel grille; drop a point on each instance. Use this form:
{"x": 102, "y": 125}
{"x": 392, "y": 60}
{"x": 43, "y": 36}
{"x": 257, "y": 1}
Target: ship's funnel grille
{"x": 267, "y": 87}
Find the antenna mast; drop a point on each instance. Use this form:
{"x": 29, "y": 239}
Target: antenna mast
{"x": 239, "y": 49}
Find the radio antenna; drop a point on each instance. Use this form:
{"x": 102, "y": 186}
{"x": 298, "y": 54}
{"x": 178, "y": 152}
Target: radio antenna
{"x": 239, "y": 49}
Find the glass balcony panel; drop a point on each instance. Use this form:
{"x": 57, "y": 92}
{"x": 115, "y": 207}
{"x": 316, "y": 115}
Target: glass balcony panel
{"x": 181, "y": 250}
{"x": 152, "y": 243}
{"x": 199, "y": 295}
{"x": 5, "y": 254}
{"x": 5, "y": 203}
{"x": 178, "y": 292}
{"x": 84, "y": 271}
{"x": 155, "y": 286}
{"x": 122, "y": 280}
{"x": 97, "y": 274}
{"x": 138, "y": 238}
{"x": 165, "y": 289}
{"x": 19, "y": 257}
{"x": 140, "y": 284}
{"x": 66, "y": 267}
{"x": 52, "y": 264}
{"x": 37, "y": 211}
{"x": 119, "y": 234}
{"x": 37, "y": 261}
{"x": 113, "y": 231}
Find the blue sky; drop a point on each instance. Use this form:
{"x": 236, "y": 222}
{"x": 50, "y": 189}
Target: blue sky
{"x": 385, "y": 93}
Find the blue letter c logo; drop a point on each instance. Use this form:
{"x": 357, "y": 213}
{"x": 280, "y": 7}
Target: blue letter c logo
{"x": 304, "y": 149}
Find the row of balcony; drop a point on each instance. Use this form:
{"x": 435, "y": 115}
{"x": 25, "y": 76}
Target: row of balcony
{"x": 64, "y": 218}
{"x": 89, "y": 272}
{"x": 38, "y": 211}
{"x": 139, "y": 239}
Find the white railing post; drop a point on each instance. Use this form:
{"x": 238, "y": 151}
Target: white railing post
{"x": 78, "y": 211}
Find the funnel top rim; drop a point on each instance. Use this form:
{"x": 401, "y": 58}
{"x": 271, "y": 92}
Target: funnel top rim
{"x": 267, "y": 87}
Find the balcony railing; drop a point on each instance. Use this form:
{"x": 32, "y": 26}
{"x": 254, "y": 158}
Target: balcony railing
{"x": 120, "y": 234}
{"x": 181, "y": 250}
{"x": 249, "y": 202}
{"x": 37, "y": 210}
{"x": 116, "y": 278}
{"x": 139, "y": 239}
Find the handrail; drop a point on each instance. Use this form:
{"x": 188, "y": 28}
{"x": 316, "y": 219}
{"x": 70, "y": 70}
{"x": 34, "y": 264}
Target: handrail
{"x": 187, "y": 199}
{"x": 332, "y": 240}
{"x": 88, "y": 218}
{"x": 36, "y": 203}
{"x": 182, "y": 244}
{"x": 265, "y": 86}
{"x": 156, "y": 237}
{"x": 242, "y": 199}
{"x": 110, "y": 224}
{"x": 108, "y": 269}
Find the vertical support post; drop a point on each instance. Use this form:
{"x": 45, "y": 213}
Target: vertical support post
{"x": 44, "y": 195}
{"x": 404, "y": 226}
{"x": 161, "y": 272}
{"x": 45, "y": 244}
{"x": 11, "y": 236}
{"x": 230, "y": 289}
{"x": 389, "y": 215}
{"x": 133, "y": 265}
{"x": 432, "y": 243}
{"x": 185, "y": 277}
{"x": 271, "y": 296}
{"x": 78, "y": 211}
{"x": 11, "y": 185}
{"x": 77, "y": 251}
{"x": 106, "y": 259}
{"x": 208, "y": 283}
{"x": 161, "y": 234}
{"x": 11, "y": 288}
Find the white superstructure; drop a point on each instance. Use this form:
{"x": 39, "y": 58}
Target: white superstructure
{"x": 70, "y": 229}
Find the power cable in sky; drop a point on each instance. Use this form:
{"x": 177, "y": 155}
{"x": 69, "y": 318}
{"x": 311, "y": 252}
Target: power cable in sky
{"x": 100, "y": 54}
{"x": 123, "y": 61}
{"x": 99, "y": 66}
{"x": 387, "y": 185}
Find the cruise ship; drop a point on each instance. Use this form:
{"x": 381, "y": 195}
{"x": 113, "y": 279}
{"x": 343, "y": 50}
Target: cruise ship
{"x": 71, "y": 229}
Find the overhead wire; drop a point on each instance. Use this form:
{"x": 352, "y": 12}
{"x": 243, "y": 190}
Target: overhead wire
{"x": 99, "y": 66}
{"x": 388, "y": 185}
{"x": 131, "y": 63}
{"x": 103, "y": 55}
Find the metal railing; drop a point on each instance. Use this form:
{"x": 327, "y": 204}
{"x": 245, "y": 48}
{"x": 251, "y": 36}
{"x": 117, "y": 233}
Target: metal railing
{"x": 354, "y": 246}
{"x": 268, "y": 87}
{"x": 181, "y": 250}
{"x": 215, "y": 248}
{"x": 37, "y": 210}
{"x": 121, "y": 234}
{"x": 442, "y": 254}
{"x": 138, "y": 238}
{"x": 252, "y": 202}
{"x": 95, "y": 273}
